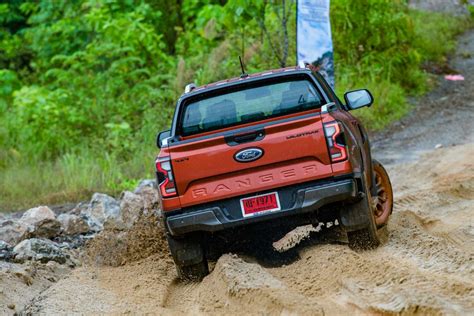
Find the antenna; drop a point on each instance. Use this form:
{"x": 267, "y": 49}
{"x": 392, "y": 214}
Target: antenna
{"x": 189, "y": 87}
{"x": 244, "y": 74}
{"x": 302, "y": 64}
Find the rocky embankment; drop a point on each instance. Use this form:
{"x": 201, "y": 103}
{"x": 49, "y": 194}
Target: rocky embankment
{"x": 39, "y": 246}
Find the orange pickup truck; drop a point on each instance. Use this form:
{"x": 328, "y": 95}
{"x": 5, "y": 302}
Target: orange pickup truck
{"x": 274, "y": 149}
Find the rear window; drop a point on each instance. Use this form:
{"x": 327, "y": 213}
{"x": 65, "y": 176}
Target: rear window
{"x": 248, "y": 105}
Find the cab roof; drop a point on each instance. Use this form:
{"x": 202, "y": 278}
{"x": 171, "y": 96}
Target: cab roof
{"x": 251, "y": 77}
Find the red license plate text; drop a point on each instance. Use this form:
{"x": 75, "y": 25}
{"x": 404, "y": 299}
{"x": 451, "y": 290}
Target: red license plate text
{"x": 259, "y": 204}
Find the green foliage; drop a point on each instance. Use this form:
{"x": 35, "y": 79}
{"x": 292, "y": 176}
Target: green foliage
{"x": 470, "y": 8}
{"x": 435, "y": 34}
{"x": 38, "y": 119}
{"x": 376, "y": 36}
{"x": 86, "y": 84}
{"x": 382, "y": 45}
{"x": 98, "y": 68}
{"x": 8, "y": 83}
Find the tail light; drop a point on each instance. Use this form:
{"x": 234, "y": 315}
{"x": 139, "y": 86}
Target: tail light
{"x": 336, "y": 141}
{"x": 165, "y": 177}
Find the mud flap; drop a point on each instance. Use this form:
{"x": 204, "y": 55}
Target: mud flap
{"x": 356, "y": 216}
{"x": 186, "y": 251}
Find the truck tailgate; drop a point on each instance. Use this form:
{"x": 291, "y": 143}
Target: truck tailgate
{"x": 294, "y": 151}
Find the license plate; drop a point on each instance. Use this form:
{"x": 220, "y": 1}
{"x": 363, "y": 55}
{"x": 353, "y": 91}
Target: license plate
{"x": 260, "y": 204}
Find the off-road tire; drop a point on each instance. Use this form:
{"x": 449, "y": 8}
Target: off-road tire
{"x": 194, "y": 272}
{"x": 189, "y": 257}
{"x": 372, "y": 235}
{"x": 383, "y": 194}
{"x": 367, "y": 238}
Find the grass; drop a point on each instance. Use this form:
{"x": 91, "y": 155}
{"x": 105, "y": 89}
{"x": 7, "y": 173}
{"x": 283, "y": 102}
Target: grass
{"x": 436, "y": 33}
{"x": 71, "y": 178}
{"x": 74, "y": 177}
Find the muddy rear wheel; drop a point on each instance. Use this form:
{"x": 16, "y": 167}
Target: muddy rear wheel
{"x": 383, "y": 201}
{"x": 369, "y": 237}
{"x": 379, "y": 208}
{"x": 189, "y": 257}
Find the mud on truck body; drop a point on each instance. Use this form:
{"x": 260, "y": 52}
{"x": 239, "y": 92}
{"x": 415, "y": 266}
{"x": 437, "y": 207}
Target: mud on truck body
{"x": 274, "y": 149}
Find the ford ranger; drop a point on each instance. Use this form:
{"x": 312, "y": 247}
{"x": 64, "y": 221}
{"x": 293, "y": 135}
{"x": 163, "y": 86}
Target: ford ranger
{"x": 277, "y": 147}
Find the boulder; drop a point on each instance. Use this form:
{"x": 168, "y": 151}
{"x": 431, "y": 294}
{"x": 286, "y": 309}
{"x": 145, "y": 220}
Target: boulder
{"x": 42, "y": 250}
{"x": 72, "y": 224}
{"x": 5, "y": 251}
{"x": 146, "y": 183}
{"x": 47, "y": 228}
{"x": 103, "y": 208}
{"x": 41, "y": 222}
{"x": 12, "y": 231}
{"x": 37, "y": 214}
{"x": 147, "y": 189}
{"x": 131, "y": 206}
{"x": 4, "y": 245}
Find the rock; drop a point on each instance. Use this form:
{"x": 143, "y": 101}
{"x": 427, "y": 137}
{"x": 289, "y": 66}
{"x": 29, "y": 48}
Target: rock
{"x": 62, "y": 208}
{"x": 438, "y": 146}
{"x": 73, "y": 241}
{"x": 12, "y": 231}
{"x": 37, "y": 214}
{"x": 106, "y": 212}
{"x": 147, "y": 189}
{"x": 36, "y": 249}
{"x": 5, "y": 251}
{"x": 73, "y": 262}
{"x": 72, "y": 224}
{"x": 41, "y": 222}
{"x": 47, "y": 228}
{"x": 80, "y": 208}
{"x": 146, "y": 183}
{"x": 102, "y": 208}
{"x": 4, "y": 245}
{"x": 131, "y": 206}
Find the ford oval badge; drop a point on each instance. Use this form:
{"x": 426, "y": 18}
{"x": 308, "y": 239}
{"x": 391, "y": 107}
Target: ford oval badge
{"x": 248, "y": 155}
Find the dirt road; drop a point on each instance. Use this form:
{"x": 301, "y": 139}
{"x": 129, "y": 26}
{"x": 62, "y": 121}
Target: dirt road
{"x": 426, "y": 266}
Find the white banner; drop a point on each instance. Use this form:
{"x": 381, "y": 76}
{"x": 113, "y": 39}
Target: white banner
{"x": 313, "y": 36}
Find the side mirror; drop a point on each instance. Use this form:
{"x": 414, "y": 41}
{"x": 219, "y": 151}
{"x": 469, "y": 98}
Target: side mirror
{"x": 162, "y": 137}
{"x": 358, "y": 98}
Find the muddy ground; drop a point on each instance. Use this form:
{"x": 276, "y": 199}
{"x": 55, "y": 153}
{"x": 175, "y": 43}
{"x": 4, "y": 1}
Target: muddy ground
{"x": 427, "y": 266}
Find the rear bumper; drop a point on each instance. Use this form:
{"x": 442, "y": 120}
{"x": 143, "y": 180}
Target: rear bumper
{"x": 308, "y": 199}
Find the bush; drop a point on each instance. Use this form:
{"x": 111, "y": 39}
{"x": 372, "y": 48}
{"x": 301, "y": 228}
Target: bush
{"x": 435, "y": 34}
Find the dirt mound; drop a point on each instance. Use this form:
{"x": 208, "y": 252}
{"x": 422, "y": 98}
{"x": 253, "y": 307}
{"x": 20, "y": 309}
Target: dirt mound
{"x": 115, "y": 248}
{"x": 240, "y": 288}
{"x": 137, "y": 287}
